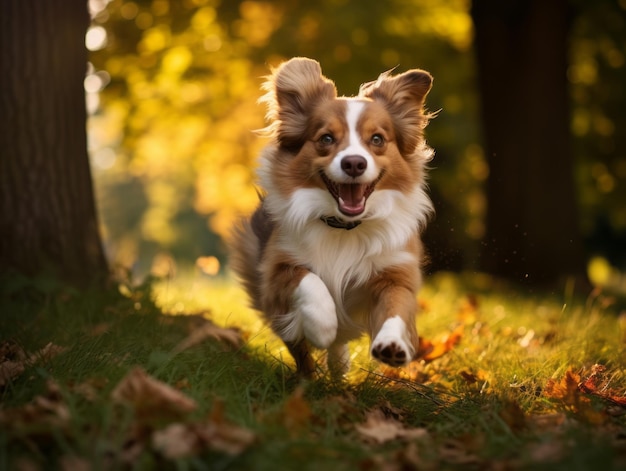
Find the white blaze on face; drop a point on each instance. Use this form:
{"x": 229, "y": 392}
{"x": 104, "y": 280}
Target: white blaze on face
{"x": 354, "y": 108}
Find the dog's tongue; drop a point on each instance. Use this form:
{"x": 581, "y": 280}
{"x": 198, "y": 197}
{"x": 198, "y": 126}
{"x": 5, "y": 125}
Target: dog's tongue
{"x": 351, "y": 199}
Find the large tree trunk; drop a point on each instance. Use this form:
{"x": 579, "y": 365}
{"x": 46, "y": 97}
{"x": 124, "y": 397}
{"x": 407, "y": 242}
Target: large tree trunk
{"x": 48, "y": 220}
{"x": 532, "y": 231}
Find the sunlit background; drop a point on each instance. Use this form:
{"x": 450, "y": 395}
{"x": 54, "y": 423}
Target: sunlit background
{"x": 172, "y": 91}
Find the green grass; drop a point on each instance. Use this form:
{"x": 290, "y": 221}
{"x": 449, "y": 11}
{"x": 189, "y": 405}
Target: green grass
{"x": 485, "y": 403}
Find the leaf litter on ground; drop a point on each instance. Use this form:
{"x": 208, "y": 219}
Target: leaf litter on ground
{"x": 451, "y": 406}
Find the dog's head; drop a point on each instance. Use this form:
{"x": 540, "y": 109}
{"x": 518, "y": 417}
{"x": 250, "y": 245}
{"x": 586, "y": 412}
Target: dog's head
{"x": 335, "y": 154}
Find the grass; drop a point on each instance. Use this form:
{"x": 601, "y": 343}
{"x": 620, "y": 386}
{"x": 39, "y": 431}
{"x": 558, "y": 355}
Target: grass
{"x": 505, "y": 394}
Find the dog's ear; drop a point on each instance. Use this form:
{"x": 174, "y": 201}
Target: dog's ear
{"x": 293, "y": 89}
{"x": 403, "y": 95}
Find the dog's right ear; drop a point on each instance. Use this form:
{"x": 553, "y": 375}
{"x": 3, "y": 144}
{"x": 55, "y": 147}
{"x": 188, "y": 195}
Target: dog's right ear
{"x": 293, "y": 89}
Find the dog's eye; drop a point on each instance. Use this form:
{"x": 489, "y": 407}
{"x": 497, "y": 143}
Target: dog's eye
{"x": 327, "y": 139}
{"x": 377, "y": 140}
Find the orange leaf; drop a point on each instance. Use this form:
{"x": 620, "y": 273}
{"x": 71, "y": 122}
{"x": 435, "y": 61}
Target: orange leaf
{"x": 597, "y": 385}
{"x": 297, "y": 412}
{"x": 569, "y": 391}
{"x": 566, "y": 389}
{"x": 445, "y": 345}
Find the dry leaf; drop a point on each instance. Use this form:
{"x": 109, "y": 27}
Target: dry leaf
{"x": 226, "y": 437}
{"x": 13, "y": 359}
{"x": 468, "y": 376}
{"x": 458, "y": 452}
{"x": 176, "y": 441}
{"x": 571, "y": 392}
{"x": 10, "y": 370}
{"x": 513, "y": 415}
{"x": 208, "y": 330}
{"x": 566, "y": 389}
{"x": 221, "y": 435}
{"x": 74, "y": 463}
{"x": 547, "y": 452}
{"x": 150, "y": 397}
{"x": 25, "y": 464}
{"x": 380, "y": 429}
{"x": 597, "y": 385}
{"x": 46, "y": 353}
{"x": 296, "y": 411}
{"x": 439, "y": 348}
{"x": 48, "y": 410}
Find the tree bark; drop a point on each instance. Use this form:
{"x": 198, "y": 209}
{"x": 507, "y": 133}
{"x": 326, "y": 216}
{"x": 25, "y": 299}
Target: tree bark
{"x": 532, "y": 231}
{"x": 48, "y": 220}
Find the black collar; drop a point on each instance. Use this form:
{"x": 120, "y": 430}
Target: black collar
{"x": 337, "y": 223}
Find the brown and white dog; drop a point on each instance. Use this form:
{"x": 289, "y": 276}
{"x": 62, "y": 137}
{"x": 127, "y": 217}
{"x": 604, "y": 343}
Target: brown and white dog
{"x": 334, "y": 249}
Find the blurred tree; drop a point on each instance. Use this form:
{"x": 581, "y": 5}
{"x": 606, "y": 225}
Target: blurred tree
{"x": 532, "y": 224}
{"x": 177, "y": 84}
{"x": 180, "y": 104}
{"x": 47, "y": 216}
{"x": 597, "y": 75}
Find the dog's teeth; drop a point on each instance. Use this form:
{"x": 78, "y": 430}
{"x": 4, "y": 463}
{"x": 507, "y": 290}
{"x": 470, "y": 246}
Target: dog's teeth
{"x": 341, "y": 201}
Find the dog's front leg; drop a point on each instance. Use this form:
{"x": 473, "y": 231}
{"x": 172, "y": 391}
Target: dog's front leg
{"x": 300, "y": 307}
{"x": 392, "y": 322}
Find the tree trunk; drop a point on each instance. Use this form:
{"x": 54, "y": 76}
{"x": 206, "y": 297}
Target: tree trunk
{"x": 48, "y": 220}
{"x": 532, "y": 231}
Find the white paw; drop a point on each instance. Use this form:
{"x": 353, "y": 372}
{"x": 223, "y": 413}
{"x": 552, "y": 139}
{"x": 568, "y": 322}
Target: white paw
{"x": 315, "y": 308}
{"x": 392, "y": 345}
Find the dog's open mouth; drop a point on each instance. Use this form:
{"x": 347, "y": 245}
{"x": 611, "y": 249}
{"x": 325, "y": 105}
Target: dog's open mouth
{"x": 350, "y": 197}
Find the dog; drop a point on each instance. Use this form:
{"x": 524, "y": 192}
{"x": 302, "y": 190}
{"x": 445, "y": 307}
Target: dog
{"x": 333, "y": 250}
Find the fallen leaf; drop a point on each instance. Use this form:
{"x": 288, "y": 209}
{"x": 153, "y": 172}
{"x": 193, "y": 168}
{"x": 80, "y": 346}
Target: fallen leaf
{"x": 10, "y": 370}
{"x": 150, "y": 397}
{"x": 176, "y": 441}
{"x": 459, "y": 452}
{"x": 566, "y": 389}
{"x": 226, "y": 437}
{"x": 46, "y": 353}
{"x": 380, "y": 429}
{"x": 513, "y": 415}
{"x": 468, "y": 376}
{"x": 597, "y": 385}
{"x": 25, "y": 464}
{"x": 547, "y": 452}
{"x": 47, "y": 410}
{"x": 74, "y": 463}
{"x": 296, "y": 411}
{"x": 445, "y": 344}
{"x": 14, "y": 360}
{"x": 569, "y": 391}
{"x": 208, "y": 330}
{"x": 221, "y": 435}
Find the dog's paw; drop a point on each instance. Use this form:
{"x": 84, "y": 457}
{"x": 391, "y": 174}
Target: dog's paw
{"x": 392, "y": 344}
{"x": 316, "y": 309}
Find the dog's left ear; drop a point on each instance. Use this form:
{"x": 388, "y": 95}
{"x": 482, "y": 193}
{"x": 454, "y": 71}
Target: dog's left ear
{"x": 403, "y": 95}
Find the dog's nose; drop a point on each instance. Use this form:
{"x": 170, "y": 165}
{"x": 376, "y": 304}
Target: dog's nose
{"x": 354, "y": 165}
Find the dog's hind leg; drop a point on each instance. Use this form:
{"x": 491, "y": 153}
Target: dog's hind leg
{"x": 338, "y": 360}
{"x": 304, "y": 362}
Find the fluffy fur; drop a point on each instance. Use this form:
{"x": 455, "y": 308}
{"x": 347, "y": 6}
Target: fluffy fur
{"x": 333, "y": 250}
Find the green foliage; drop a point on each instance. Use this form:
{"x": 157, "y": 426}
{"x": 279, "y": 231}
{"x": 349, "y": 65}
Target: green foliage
{"x": 177, "y": 82}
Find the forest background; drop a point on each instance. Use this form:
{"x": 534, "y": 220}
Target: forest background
{"x": 172, "y": 92}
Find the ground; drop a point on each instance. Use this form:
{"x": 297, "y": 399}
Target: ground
{"x": 180, "y": 374}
